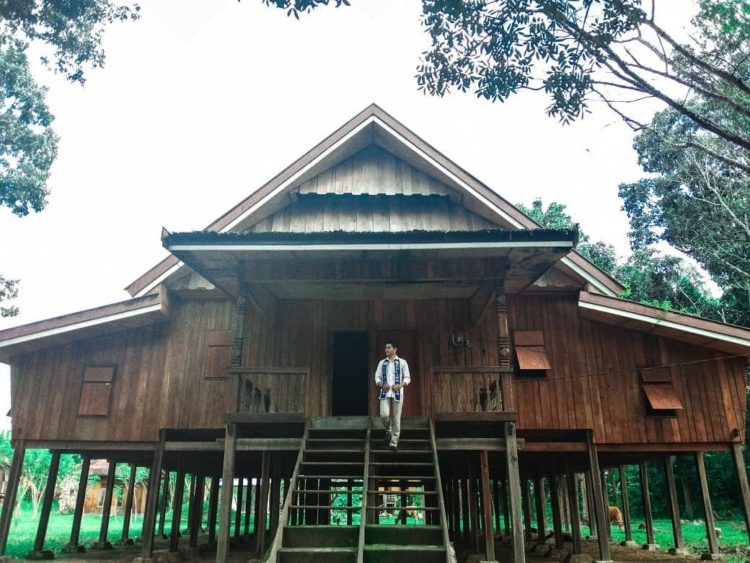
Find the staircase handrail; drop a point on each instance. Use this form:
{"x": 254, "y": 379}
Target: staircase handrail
{"x": 439, "y": 487}
{"x": 273, "y": 551}
{"x": 365, "y": 488}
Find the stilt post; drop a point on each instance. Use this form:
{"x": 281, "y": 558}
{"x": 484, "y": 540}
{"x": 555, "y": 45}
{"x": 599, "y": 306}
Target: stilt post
{"x": 739, "y": 466}
{"x": 601, "y": 511}
{"x": 541, "y": 513}
{"x": 575, "y": 520}
{"x": 129, "y": 503}
{"x": 107, "y": 506}
{"x": 674, "y": 507}
{"x": 514, "y": 491}
{"x": 554, "y": 494}
{"x": 164, "y": 502}
{"x": 75, "y": 531}
{"x": 489, "y": 537}
{"x": 650, "y": 541}
{"x": 227, "y": 484}
{"x": 626, "y": 508}
{"x": 213, "y": 506}
{"x": 713, "y": 543}
{"x": 179, "y": 493}
{"x": 152, "y": 496}
{"x": 265, "y": 475}
{"x": 49, "y": 495}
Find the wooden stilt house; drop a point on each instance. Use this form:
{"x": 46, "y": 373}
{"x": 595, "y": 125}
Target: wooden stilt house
{"x": 244, "y": 362}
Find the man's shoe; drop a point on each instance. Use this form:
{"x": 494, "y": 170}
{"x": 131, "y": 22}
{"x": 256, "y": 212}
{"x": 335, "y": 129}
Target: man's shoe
{"x": 393, "y": 447}
{"x": 387, "y": 438}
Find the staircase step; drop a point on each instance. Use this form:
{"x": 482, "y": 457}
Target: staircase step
{"x": 334, "y": 477}
{"x": 320, "y": 536}
{"x": 401, "y": 463}
{"x": 318, "y": 555}
{"x": 403, "y": 535}
{"x": 327, "y": 492}
{"x": 389, "y": 553}
{"x": 324, "y": 507}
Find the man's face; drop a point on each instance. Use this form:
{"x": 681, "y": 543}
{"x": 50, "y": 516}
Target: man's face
{"x": 390, "y": 351}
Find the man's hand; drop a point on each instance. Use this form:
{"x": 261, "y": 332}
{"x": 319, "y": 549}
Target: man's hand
{"x": 386, "y": 387}
{"x": 397, "y": 388}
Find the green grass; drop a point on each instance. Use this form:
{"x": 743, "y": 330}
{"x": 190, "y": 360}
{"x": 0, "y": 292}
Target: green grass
{"x": 694, "y": 535}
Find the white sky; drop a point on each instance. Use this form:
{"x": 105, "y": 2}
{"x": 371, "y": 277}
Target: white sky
{"x": 201, "y": 102}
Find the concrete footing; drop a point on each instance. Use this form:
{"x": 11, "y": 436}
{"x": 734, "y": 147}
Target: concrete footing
{"x": 650, "y": 547}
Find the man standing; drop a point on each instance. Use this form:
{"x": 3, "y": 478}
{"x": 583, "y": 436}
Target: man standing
{"x": 392, "y": 375}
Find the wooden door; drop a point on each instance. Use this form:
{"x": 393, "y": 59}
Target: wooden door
{"x": 407, "y": 349}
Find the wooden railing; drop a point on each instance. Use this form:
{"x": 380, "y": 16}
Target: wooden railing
{"x": 472, "y": 389}
{"x": 271, "y": 390}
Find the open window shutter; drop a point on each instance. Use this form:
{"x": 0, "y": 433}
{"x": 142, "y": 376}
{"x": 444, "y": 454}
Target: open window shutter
{"x": 96, "y": 391}
{"x": 531, "y": 354}
{"x": 661, "y": 396}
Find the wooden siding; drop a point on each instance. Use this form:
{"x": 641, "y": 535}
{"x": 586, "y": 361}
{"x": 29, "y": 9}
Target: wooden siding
{"x": 378, "y": 214}
{"x": 594, "y": 381}
{"x": 374, "y": 171}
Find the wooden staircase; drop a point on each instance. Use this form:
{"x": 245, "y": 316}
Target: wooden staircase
{"x": 335, "y": 512}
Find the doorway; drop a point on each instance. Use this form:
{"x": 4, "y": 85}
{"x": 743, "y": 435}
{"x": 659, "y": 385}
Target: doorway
{"x": 350, "y": 374}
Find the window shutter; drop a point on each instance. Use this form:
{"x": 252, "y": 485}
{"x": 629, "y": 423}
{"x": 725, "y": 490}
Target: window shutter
{"x": 96, "y": 391}
{"x": 218, "y": 358}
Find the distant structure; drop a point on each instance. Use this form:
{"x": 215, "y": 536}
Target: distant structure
{"x": 247, "y": 358}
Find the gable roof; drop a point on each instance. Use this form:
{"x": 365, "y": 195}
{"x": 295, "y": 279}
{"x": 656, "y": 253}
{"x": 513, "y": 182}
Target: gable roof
{"x": 373, "y": 126}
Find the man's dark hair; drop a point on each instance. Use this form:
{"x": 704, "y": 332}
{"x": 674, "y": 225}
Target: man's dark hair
{"x": 392, "y": 343}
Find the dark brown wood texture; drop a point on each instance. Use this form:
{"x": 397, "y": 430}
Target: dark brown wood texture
{"x": 594, "y": 381}
{"x": 662, "y": 396}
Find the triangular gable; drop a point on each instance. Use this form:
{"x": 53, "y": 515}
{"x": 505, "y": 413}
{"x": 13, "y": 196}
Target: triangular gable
{"x": 374, "y": 126}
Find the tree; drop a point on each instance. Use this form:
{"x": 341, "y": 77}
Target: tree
{"x": 580, "y": 52}
{"x": 73, "y": 30}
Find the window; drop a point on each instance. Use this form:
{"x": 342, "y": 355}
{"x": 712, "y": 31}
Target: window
{"x": 218, "y": 354}
{"x": 531, "y": 356}
{"x": 96, "y": 390}
{"x": 658, "y": 389}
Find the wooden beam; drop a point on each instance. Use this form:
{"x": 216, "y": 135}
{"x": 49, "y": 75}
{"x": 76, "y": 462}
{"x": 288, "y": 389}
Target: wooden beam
{"x": 739, "y": 466}
{"x": 238, "y": 504}
{"x": 249, "y": 503}
{"x": 75, "y": 531}
{"x": 107, "y": 506}
{"x": 197, "y": 519}
{"x": 129, "y": 503}
{"x": 674, "y": 507}
{"x": 489, "y": 537}
{"x": 575, "y": 521}
{"x": 526, "y": 499}
{"x": 626, "y": 507}
{"x": 49, "y": 495}
{"x": 589, "y": 506}
{"x": 265, "y": 474}
{"x": 164, "y": 501}
{"x": 713, "y": 543}
{"x": 152, "y": 496}
{"x": 514, "y": 491}
{"x": 650, "y": 541}
{"x": 480, "y": 303}
{"x": 239, "y": 327}
{"x": 602, "y": 512}
{"x": 227, "y": 484}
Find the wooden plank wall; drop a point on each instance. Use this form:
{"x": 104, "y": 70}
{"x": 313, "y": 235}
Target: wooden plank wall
{"x": 594, "y": 382}
{"x": 158, "y": 383}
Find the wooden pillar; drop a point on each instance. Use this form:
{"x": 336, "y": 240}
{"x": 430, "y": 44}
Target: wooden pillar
{"x": 49, "y": 495}
{"x": 213, "y": 505}
{"x": 473, "y": 507}
{"x": 589, "y": 505}
{"x": 541, "y": 514}
{"x": 465, "y": 520}
{"x": 713, "y": 544}
{"x": 650, "y": 541}
{"x": 674, "y": 507}
{"x": 238, "y": 512}
{"x": 554, "y": 495}
{"x": 276, "y": 493}
{"x": 496, "y": 503}
{"x": 11, "y": 490}
{"x": 739, "y": 466}
{"x": 152, "y": 495}
{"x": 526, "y": 498}
{"x": 265, "y": 474}
{"x": 179, "y": 493}
{"x": 227, "y": 484}
{"x": 602, "y": 512}
{"x": 163, "y": 503}
{"x": 564, "y": 504}
{"x": 575, "y": 522}
{"x": 514, "y": 490}
{"x": 107, "y": 507}
{"x": 626, "y": 508}
{"x": 191, "y": 503}
{"x": 196, "y": 516}
{"x": 75, "y": 531}
{"x": 251, "y": 492}
{"x": 489, "y": 537}
{"x": 239, "y": 327}
{"x": 128, "y": 503}
{"x": 506, "y": 506}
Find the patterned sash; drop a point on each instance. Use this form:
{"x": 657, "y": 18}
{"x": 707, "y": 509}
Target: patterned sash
{"x": 396, "y": 378}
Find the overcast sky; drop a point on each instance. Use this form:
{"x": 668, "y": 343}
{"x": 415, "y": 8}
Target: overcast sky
{"x": 201, "y": 102}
